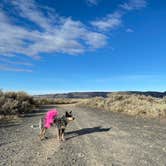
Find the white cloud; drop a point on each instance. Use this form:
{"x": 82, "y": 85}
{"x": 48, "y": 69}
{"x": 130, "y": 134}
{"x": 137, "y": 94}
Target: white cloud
{"x": 129, "y": 30}
{"x": 95, "y": 40}
{"x": 109, "y": 22}
{"x": 7, "y": 61}
{"x": 8, "y": 68}
{"x": 92, "y": 2}
{"x": 56, "y": 34}
{"x": 134, "y": 4}
{"x": 28, "y": 9}
{"x": 47, "y": 32}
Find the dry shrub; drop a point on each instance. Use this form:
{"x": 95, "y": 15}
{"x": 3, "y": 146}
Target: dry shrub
{"x": 45, "y": 101}
{"x": 65, "y": 101}
{"x": 131, "y": 104}
{"x": 15, "y": 103}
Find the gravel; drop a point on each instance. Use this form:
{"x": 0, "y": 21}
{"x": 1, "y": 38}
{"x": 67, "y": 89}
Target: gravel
{"x": 95, "y": 138}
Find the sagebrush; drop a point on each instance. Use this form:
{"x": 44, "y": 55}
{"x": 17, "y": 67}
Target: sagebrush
{"x": 45, "y": 101}
{"x": 131, "y": 104}
{"x": 12, "y": 103}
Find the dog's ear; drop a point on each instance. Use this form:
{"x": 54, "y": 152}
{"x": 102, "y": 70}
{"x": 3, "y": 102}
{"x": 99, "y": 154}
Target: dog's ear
{"x": 70, "y": 112}
{"x": 66, "y": 113}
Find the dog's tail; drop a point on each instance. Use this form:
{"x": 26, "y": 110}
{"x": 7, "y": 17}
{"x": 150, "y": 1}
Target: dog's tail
{"x": 38, "y": 126}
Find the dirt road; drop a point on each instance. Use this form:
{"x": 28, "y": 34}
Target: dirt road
{"x": 95, "y": 138}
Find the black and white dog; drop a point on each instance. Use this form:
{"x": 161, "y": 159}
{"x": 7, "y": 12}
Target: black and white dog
{"x": 60, "y": 123}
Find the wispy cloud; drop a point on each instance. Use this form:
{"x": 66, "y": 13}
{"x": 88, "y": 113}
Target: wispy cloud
{"x": 109, "y": 22}
{"x": 29, "y": 10}
{"x": 134, "y": 4}
{"x": 114, "y": 20}
{"x": 42, "y": 30}
{"x": 56, "y": 34}
{"x": 92, "y": 2}
{"x": 7, "y": 61}
{"x": 8, "y": 68}
{"x": 129, "y": 30}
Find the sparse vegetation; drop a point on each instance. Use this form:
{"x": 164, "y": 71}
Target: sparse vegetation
{"x": 133, "y": 104}
{"x": 45, "y": 101}
{"x": 14, "y": 103}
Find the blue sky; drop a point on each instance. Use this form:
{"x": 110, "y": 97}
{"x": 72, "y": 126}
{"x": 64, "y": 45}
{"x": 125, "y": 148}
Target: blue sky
{"x": 82, "y": 45}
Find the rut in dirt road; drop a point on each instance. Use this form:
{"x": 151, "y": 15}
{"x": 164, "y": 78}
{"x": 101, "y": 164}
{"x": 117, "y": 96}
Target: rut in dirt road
{"x": 95, "y": 138}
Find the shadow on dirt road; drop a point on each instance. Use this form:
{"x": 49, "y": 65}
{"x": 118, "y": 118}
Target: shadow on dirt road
{"x": 85, "y": 131}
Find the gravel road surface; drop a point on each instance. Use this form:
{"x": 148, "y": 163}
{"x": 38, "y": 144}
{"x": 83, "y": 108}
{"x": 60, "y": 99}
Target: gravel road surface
{"x": 95, "y": 138}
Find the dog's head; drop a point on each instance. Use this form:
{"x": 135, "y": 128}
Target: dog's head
{"x": 69, "y": 116}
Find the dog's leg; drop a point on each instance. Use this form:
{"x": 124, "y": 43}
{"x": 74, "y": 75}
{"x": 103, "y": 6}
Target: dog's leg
{"x": 59, "y": 133}
{"x": 42, "y": 134}
{"x": 63, "y": 131}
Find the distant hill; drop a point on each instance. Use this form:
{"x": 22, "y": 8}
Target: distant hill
{"x": 75, "y": 95}
{"x": 99, "y": 94}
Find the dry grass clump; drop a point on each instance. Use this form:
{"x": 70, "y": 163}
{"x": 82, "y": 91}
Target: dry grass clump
{"x": 45, "y": 101}
{"x": 12, "y": 103}
{"x": 130, "y": 104}
{"x": 66, "y": 101}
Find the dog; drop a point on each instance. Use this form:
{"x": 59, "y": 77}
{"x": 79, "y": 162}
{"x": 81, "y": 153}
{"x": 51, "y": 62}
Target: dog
{"x": 60, "y": 123}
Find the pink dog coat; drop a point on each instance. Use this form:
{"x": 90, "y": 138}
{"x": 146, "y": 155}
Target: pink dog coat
{"x": 49, "y": 118}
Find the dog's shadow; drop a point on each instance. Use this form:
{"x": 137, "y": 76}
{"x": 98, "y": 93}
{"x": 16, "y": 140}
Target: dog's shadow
{"x": 85, "y": 131}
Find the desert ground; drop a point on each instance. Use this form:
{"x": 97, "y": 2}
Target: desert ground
{"x": 95, "y": 138}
